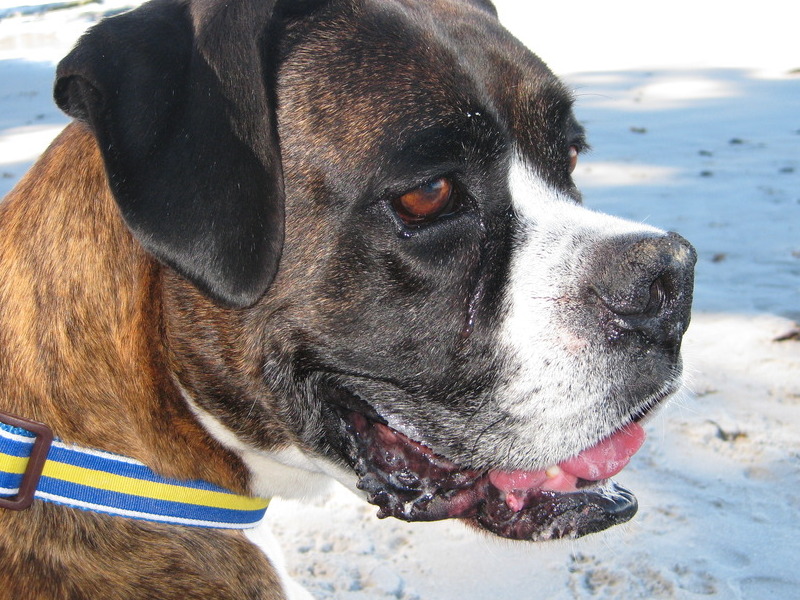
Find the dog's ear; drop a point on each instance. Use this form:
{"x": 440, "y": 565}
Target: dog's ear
{"x": 179, "y": 97}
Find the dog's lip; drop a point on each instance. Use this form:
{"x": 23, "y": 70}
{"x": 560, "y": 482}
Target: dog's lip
{"x": 597, "y": 463}
{"x": 409, "y": 481}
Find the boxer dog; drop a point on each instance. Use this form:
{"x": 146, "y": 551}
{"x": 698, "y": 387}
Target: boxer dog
{"x": 288, "y": 240}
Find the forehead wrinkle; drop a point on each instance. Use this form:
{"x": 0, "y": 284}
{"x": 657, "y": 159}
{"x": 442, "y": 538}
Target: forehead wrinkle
{"x": 335, "y": 86}
{"x": 359, "y": 83}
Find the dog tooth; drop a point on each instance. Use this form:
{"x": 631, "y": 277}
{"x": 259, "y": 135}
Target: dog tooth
{"x": 553, "y": 471}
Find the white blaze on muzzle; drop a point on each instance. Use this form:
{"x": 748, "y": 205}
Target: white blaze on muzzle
{"x": 556, "y": 375}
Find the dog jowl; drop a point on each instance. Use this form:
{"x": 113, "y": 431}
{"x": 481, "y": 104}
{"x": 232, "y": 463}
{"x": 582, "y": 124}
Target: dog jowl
{"x": 362, "y": 255}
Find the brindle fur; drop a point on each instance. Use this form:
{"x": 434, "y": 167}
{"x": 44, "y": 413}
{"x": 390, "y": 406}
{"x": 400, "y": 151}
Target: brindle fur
{"x": 82, "y": 348}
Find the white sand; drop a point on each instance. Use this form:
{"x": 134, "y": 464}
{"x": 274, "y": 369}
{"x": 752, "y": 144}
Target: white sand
{"x": 694, "y": 116}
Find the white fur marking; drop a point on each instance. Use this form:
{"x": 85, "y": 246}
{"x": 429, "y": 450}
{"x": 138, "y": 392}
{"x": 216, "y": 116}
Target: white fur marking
{"x": 556, "y": 374}
{"x": 288, "y": 472}
{"x": 263, "y": 537}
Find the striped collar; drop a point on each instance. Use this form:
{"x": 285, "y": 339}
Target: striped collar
{"x": 34, "y": 465}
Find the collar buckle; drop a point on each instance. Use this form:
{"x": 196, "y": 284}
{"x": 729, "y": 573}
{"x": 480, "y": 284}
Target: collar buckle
{"x": 33, "y": 470}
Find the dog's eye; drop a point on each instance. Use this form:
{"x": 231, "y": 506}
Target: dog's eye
{"x": 573, "y": 158}
{"x": 425, "y": 203}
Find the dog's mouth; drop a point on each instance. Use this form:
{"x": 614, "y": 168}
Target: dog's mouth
{"x": 407, "y": 480}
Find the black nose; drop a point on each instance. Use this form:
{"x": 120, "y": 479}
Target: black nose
{"x": 647, "y": 283}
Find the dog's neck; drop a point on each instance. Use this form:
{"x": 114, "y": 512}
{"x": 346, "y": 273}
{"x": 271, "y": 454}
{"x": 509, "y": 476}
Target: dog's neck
{"x": 83, "y": 347}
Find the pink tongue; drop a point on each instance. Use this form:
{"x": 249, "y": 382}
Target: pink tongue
{"x": 608, "y": 457}
{"x": 601, "y": 461}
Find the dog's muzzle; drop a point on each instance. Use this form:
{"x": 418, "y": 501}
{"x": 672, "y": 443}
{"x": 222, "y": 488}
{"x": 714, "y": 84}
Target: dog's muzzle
{"x": 408, "y": 481}
{"x": 638, "y": 290}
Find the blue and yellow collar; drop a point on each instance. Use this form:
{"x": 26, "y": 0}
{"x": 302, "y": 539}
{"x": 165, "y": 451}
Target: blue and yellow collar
{"x": 34, "y": 465}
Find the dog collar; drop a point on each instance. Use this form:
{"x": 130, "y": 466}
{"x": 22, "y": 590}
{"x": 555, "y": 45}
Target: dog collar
{"x": 35, "y": 465}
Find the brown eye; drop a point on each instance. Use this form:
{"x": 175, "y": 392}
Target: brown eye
{"x": 426, "y": 202}
{"x": 573, "y": 158}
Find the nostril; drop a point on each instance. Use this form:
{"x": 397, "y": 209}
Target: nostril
{"x": 658, "y": 297}
{"x": 635, "y": 290}
{"x": 648, "y": 296}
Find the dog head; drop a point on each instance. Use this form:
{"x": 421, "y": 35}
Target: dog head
{"x": 376, "y": 262}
